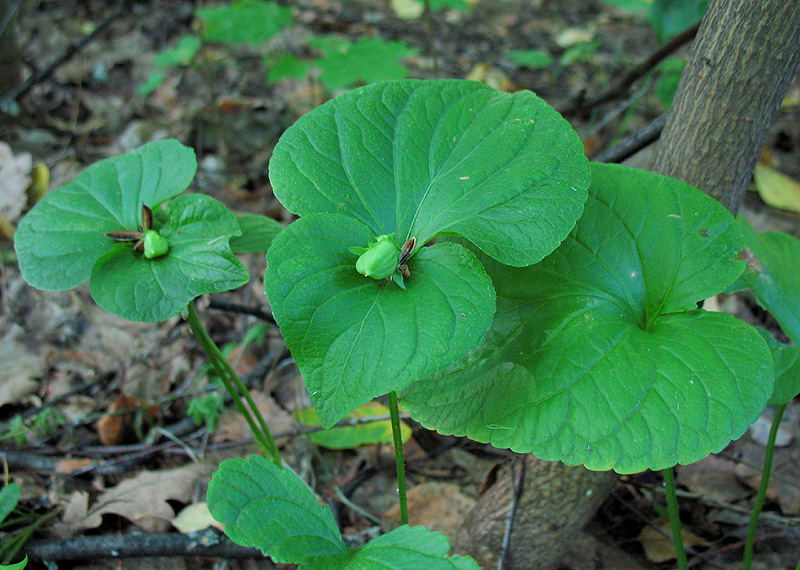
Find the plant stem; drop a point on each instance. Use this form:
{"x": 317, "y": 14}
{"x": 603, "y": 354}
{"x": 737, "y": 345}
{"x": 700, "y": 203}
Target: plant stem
{"x": 397, "y": 436}
{"x": 229, "y": 377}
{"x": 674, "y": 518}
{"x": 762, "y": 488}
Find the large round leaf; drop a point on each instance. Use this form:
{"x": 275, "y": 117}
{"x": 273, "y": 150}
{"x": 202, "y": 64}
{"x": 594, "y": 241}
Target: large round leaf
{"x": 355, "y": 338}
{"x": 424, "y": 158}
{"x": 199, "y": 261}
{"x": 58, "y": 242}
{"x": 598, "y": 355}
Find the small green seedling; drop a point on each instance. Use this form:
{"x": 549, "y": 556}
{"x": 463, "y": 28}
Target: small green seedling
{"x": 147, "y": 250}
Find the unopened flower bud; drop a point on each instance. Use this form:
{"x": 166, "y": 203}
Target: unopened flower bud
{"x": 154, "y": 244}
{"x": 379, "y": 261}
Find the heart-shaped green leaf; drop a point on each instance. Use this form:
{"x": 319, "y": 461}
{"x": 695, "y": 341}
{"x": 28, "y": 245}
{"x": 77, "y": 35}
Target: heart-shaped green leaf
{"x": 404, "y": 548}
{"x": 597, "y": 355}
{"x": 355, "y": 338}
{"x": 58, "y": 242}
{"x": 425, "y": 158}
{"x": 266, "y": 507}
{"x": 199, "y": 261}
{"x": 773, "y": 276}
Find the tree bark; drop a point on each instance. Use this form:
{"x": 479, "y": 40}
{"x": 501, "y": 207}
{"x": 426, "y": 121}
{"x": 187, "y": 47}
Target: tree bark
{"x": 10, "y": 61}
{"x": 743, "y": 60}
{"x": 555, "y": 503}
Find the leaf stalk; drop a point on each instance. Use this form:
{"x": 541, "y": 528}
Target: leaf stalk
{"x": 229, "y": 378}
{"x": 762, "y": 488}
{"x": 674, "y": 518}
{"x": 397, "y": 437}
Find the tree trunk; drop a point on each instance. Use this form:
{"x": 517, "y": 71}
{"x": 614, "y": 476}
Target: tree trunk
{"x": 743, "y": 60}
{"x": 554, "y": 504}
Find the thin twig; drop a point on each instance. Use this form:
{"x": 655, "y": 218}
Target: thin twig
{"x": 242, "y": 309}
{"x": 621, "y": 86}
{"x": 46, "y": 72}
{"x": 634, "y": 143}
{"x": 205, "y": 543}
{"x": 515, "y": 497}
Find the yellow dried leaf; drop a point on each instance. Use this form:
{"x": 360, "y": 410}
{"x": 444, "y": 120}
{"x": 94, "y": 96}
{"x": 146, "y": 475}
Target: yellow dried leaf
{"x": 407, "y": 9}
{"x": 194, "y": 518}
{"x": 777, "y": 189}
{"x": 657, "y": 542}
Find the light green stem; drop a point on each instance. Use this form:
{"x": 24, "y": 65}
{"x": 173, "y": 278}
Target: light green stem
{"x": 674, "y": 518}
{"x": 229, "y": 378}
{"x": 397, "y": 436}
{"x": 762, "y": 488}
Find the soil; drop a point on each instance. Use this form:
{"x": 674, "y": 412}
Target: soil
{"x": 89, "y": 401}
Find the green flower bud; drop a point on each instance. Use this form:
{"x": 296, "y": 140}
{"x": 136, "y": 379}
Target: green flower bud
{"x": 379, "y": 261}
{"x": 154, "y": 244}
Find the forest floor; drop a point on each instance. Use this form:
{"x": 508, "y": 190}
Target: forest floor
{"x": 93, "y": 409}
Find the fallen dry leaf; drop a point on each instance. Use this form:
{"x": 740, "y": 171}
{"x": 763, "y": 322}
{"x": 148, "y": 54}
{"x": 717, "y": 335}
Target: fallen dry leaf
{"x": 118, "y": 426}
{"x": 438, "y": 506}
{"x": 67, "y": 466}
{"x": 14, "y": 179}
{"x": 715, "y": 478}
{"x": 195, "y": 517}
{"x": 143, "y": 499}
{"x": 19, "y": 369}
{"x": 777, "y": 189}
{"x": 233, "y": 427}
{"x": 657, "y": 541}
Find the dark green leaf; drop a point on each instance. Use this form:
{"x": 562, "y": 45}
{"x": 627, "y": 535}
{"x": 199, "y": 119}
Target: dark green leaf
{"x": 199, "y": 261}
{"x": 59, "y": 241}
{"x": 404, "y": 548}
{"x": 671, "y": 17}
{"x": 787, "y": 369}
{"x": 9, "y": 496}
{"x": 422, "y": 159}
{"x": 598, "y": 355}
{"x": 266, "y": 507}
{"x": 354, "y": 337}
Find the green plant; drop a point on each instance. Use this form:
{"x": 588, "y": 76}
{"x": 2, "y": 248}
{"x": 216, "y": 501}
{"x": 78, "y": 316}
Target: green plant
{"x": 9, "y": 497}
{"x": 771, "y": 274}
{"x": 454, "y": 249}
{"x": 339, "y": 63}
{"x": 143, "y": 262}
{"x": 343, "y": 63}
{"x": 667, "y": 17}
